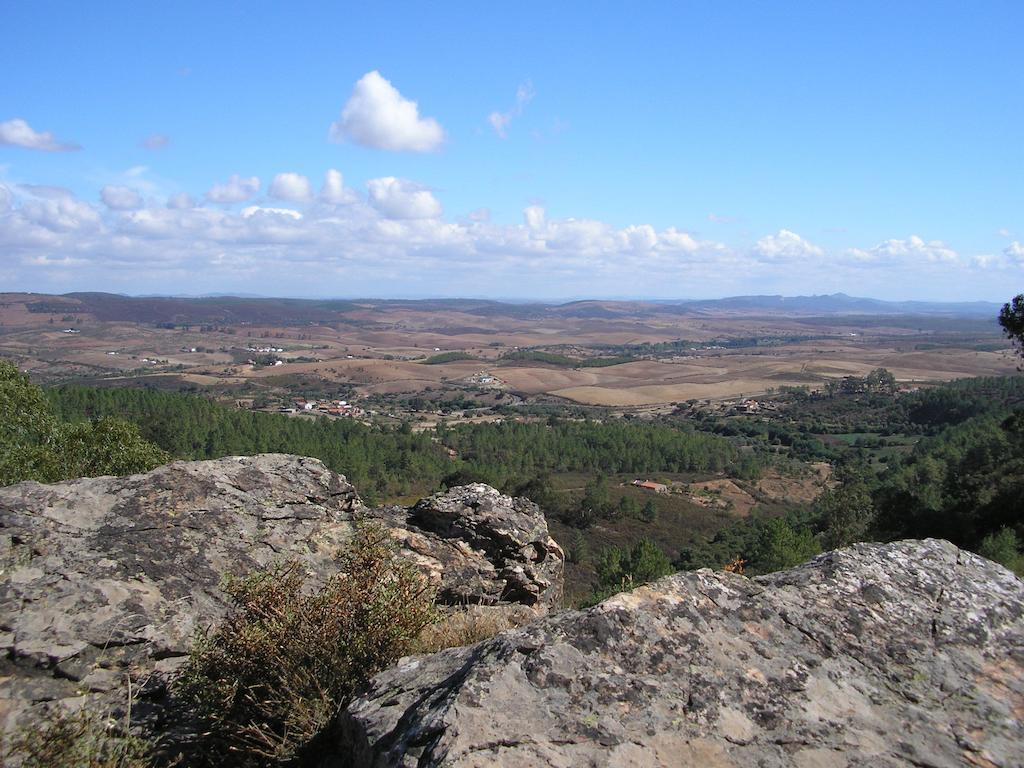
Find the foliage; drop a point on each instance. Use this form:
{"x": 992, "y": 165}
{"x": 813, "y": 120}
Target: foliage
{"x": 780, "y": 545}
{"x": 762, "y": 543}
{"x": 846, "y": 514}
{"x": 1004, "y": 547}
{"x": 34, "y": 445}
{"x": 879, "y": 381}
{"x": 268, "y": 681}
{"x": 447, "y": 357}
{"x": 551, "y": 358}
{"x": 389, "y": 462}
{"x": 620, "y": 570}
{"x": 961, "y": 485}
{"x": 1011, "y": 318}
{"x": 80, "y": 740}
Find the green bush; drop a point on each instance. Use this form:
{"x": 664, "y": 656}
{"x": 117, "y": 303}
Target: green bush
{"x": 269, "y": 680}
{"x": 1004, "y": 548}
{"x": 621, "y": 570}
{"x": 34, "y": 445}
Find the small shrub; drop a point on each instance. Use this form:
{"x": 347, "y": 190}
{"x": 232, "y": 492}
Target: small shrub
{"x": 465, "y": 628}
{"x": 80, "y": 740}
{"x": 1003, "y": 547}
{"x": 270, "y": 679}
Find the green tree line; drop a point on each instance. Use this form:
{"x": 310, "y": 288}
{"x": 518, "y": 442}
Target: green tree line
{"x": 388, "y": 462}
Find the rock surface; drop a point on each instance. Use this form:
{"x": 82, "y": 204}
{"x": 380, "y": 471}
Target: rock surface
{"x": 907, "y": 654}
{"x": 523, "y": 563}
{"x": 105, "y": 577}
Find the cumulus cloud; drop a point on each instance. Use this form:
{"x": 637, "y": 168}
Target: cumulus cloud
{"x": 293, "y": 187}
{"x": 376, "y": 115}
{"x": 534, "y": 216}
{"x": 18, "y": 133}
{"x": 333, "y": 190}
{"x": 1015, "y": 252}
{"x": 155, "y": 141}
{"x": 673, "y": 239}
{"x": 395, "y": 239}
{"x": 256, "y": 210}
{"x": 118, "y": 198}
{"x": 500, "y": 120}
{"x": 480, "y": 215}
{"x": 60, "y": 214}
{"x": 402, "y": 199}
{"x": 912, "y": 248}
{"x": 234, "y": 190}
{"x": 181, "y": 201}
{"x": 786, "y": 245}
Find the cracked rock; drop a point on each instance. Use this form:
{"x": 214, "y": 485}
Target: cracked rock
{"x": 904, "y": 654}
{"x": 102, "y": 578}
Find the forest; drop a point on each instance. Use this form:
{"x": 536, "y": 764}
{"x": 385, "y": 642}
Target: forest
{"x": 386, "y": 462}
{"x": 944, "y": 461}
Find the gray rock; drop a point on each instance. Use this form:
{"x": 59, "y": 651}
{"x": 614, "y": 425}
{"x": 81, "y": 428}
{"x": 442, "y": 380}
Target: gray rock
{"x": 523, "y": 563}
{"x": 110, "y": 577}
{"x": 906, "y": 654}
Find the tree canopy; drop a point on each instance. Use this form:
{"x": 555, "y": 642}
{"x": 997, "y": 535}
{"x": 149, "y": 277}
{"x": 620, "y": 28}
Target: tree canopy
{"x": 35, "y": 445}
{"x": 1011, "y": 318}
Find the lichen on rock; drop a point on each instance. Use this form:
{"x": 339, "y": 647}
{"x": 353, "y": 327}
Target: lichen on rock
{"x": 109, "y": 578}
{"x": 902, "y": 654}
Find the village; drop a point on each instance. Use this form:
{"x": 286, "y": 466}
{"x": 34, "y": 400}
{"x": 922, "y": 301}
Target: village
{"x": 336, "y": 408}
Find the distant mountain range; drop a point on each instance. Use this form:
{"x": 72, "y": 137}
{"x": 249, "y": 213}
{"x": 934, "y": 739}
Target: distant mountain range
{"x": 841, "y": 304}
{"x": 285, "y": 311}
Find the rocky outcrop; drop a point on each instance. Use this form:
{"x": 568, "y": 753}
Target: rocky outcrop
{"x": 522, "y": 563}
{"x": 907, "y": 654}
{"x": 108, "y": 577}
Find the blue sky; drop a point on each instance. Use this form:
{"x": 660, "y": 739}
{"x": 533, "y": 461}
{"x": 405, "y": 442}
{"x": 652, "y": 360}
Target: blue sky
{"x": 526, "y": 150}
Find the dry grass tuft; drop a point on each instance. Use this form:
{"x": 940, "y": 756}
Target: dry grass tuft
{"x": 465, "y": 627}
{"x": 80, "y": 740}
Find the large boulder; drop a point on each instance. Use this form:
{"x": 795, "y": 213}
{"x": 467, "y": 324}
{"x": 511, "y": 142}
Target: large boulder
{"x": 521, "y": 563}
{"x": 107, "y": 578}
{"x": 906, "y": 654}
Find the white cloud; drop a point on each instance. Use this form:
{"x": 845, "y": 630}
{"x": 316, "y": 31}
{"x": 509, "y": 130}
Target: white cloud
{"x": 786, "y": 245}
{"x": 181, "y": 201}
{"x": 1015, "y": 252}
{"x": 156, "y": 141}
{"x": 235, "y": 190}
{"x": 118, "y": 198}
{"x": 293, "y": 187}
{"x": 255, "y": 210}
{"x": 19, "y": 133}
{"x": 333, "y": 191}
{"x": 401, "y": 199}
{"x": 1003, "y": 232}
{"x": 534, "y": 217}
{"x": 46, "y": 191}
{"x": 61, "y": 214}
{"x": 912, "y": 249}
{"x": 674, "y": 240}
{"x": 394, "y": 240}
{"x": 376, "y": 115}
{"x": 500, "y": 120}
{"x": 639, "y": 238}
{"x": 480, "y": 215}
